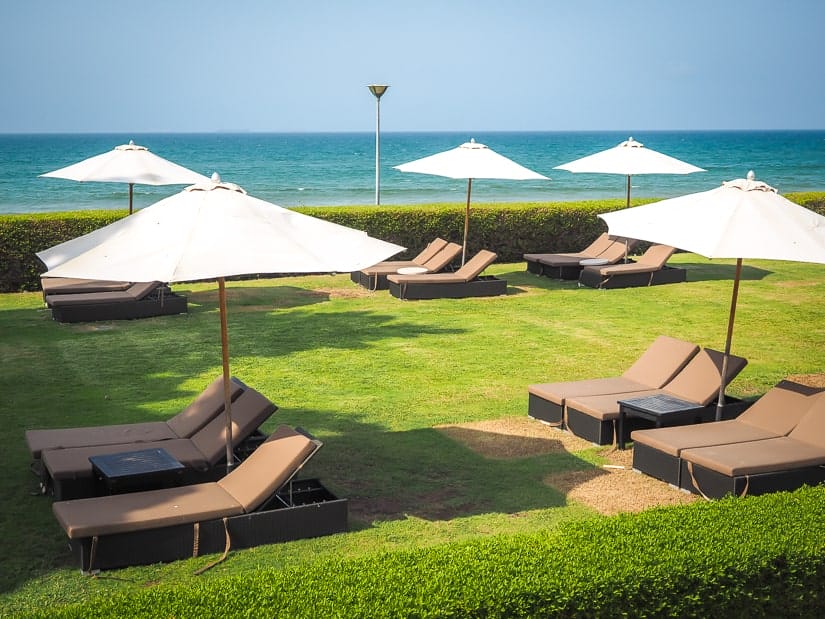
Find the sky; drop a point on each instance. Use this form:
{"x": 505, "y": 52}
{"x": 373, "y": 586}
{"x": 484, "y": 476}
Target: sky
{"x": 451, "y": 65}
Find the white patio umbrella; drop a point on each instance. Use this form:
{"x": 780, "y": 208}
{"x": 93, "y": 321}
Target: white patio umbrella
{"x": 629, "y": 159}
{"x": 470, "y": 160}
{"x": 128, "y": 163}
{"x": 210, "y": 231}
{"x": 743, "y": 218}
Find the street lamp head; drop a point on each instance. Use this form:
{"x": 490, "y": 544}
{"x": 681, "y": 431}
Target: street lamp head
{"x": 378, "y": 89}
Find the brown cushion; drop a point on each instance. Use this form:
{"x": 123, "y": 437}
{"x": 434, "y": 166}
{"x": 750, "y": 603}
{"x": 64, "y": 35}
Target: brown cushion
{"x": 144, "y": 510}
{"x": 39, "y": 441}
{"x": 753, "y": 457}
{"x": 559, "y": 392}
{"x": 781, "y": 408}
{"x": 699, "y": 381}
{"x": 663, "y": 359}
{"x": 203, "y": 408}
{"x": 268, "y": 468}
{"x": 674, "y": 439}
{"x": 811, "y": 428}
{"x": 605, "y": 407}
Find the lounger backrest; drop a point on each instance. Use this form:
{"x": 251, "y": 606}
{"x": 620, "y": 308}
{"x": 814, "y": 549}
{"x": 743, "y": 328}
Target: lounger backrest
{"x": 475, "y": 265}
{"x": 663, "y": 359}
{"x": 430, "y": 250}
{"x": 699, "y": 381}
{"x": 443, "y": 257}
{"x": 602, "y": 242}
{"x": 249, "y": 411}
{"x": 781, "y": 408}
{"x": 141, "y": 289}
{"x": 269, "y": 467}
{"x": 203, "y": 409}
{"x": 614, "y": 253}
{"x": 656, "y": 256}
{"x": 811, "y": 428}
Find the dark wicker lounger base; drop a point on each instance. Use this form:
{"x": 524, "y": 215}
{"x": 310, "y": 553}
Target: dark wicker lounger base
{"x": 567, "y": 271}
{"x": 484, "y": 286}
{"x": 665, "y": 275}
{"x": 656, "y": 463}
{"x": 715, "y": 485}
{"x": 371, "y": 282}
{"x": 314, "y": 512}
{"x": 544, "y": 410}
{"x": 602, "y": 431}
{"x": 165, "y": 304}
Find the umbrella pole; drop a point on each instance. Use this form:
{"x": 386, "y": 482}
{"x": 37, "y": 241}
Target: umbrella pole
{"x": 466, "y": 221}
{"x": 627, "y": 206}
{"x": 720, "y": 402}
{"x": 227, "y": 398}
{"x": 131, "y": 188}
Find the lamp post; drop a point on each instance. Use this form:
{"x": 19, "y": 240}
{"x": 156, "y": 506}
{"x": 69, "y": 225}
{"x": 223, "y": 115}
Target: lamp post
{"x": 378, "y": 90}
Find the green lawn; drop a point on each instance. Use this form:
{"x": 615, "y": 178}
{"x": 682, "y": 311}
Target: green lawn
{"x": 371, "y": 376}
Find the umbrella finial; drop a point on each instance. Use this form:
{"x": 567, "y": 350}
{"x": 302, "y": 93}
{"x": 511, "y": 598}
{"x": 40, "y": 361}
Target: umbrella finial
{"x": 216, "y": 178}
{"x": 751, "y": 176}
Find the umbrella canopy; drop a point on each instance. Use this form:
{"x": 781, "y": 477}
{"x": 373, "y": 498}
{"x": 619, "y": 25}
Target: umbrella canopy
{"x": 743, "y": 218}
{"x": 214, "y": 230}
{"x": 470, "y": 160}
{"x": 128, "y": 163}
{"x": 628, "y": 159}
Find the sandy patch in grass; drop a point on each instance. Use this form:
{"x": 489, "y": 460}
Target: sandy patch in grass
{"x": 610, "y": 489}
{"x": 811, "y": 380}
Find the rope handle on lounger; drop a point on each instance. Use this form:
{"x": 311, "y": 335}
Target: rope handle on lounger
{"x": 225, "y": 550}
{"x": 695, "y": 483}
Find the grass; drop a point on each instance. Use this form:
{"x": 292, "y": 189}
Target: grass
{"x": 372, "y": 377}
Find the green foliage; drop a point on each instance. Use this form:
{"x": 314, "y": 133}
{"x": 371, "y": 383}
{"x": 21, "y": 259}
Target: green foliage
{"x": 754, "y": 557}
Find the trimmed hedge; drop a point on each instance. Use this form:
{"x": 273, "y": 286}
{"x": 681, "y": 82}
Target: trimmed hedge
{"x": 510, "y": 230}
{"x": 754, "y": 557}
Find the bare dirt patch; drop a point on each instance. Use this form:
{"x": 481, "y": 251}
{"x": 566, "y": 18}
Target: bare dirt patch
{"x": 610, "y": 489}
{"x": 811, "y": 380}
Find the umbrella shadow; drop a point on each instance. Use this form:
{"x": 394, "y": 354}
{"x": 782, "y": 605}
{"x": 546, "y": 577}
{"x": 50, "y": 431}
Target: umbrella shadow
{"x": 433, "y": 473}
{"x": 256, "y": 298}
{"x": 708, "y": 271}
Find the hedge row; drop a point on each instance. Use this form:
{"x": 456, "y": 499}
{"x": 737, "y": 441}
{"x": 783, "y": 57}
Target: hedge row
{"x": 508, "y": 229}
{"x": 753, "y": 557}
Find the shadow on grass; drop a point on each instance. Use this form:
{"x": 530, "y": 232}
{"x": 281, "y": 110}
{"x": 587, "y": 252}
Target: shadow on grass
{"x": 705, "y": 272}
{"x": 432, "y": 474}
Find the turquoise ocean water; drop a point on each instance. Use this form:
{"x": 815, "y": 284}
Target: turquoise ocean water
{"x": 339, "y": 169}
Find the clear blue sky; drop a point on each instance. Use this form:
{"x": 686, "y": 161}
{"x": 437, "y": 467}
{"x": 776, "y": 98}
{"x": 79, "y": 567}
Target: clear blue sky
{"x": 462, "y": 65}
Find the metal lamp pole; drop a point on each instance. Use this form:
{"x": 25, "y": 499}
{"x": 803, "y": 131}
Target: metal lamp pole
{"x": 378, "y": 90}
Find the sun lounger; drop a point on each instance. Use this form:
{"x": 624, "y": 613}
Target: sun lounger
{"x": 757, "y": 467}
{"x": 465, "y": 282}
{"x": 69, "y": 474}
{"x": 605, "y": 249}
{"x": 375, "y": 277}
{"x": 259, "y": 502}
{"x": 649, "y": 269}
{"x": 595, "y": 417}
{"x": 656, "y": 451}
{"x": 663, "y": 359}
{"x": 208, "y": 405}
{"x": 71, "y": 285}
{"x": 140, "y": 300}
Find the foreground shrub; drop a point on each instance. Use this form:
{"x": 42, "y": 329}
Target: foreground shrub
{"x": 753, "y": 557}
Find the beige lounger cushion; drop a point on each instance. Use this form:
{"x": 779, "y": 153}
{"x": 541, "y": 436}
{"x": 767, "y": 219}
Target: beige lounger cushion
{"x": 602, "y": 242}
{"x": 774, "y": 414}
{"x": 803, "y": 447}
{"x": 652, "y": 260}
{"x": 434, "y": 257}
{"x": 203, "y": 408}
{"x": 471, "y": 269}
{"x": 201, "y": 452}
{"x": 698, "y": 382}
{"x": 268, "y": 467}
{"x": 67, "y": 285}
{"x": 241, "y": 491}
{"x": 135, "y": 292}
{"x": 137, "y": 511}
{"x": 654, "y": 368}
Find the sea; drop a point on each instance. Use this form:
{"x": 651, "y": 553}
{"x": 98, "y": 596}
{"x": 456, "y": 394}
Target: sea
{"x": 333, "y": 169}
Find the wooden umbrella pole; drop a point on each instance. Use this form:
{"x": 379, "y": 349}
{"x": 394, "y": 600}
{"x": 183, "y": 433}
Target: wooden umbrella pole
{"x": 720, "y": 402}
{"x": 131, "y": 189}
{"x": 227, "y": 397}
{"x": 466, "y": 221}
